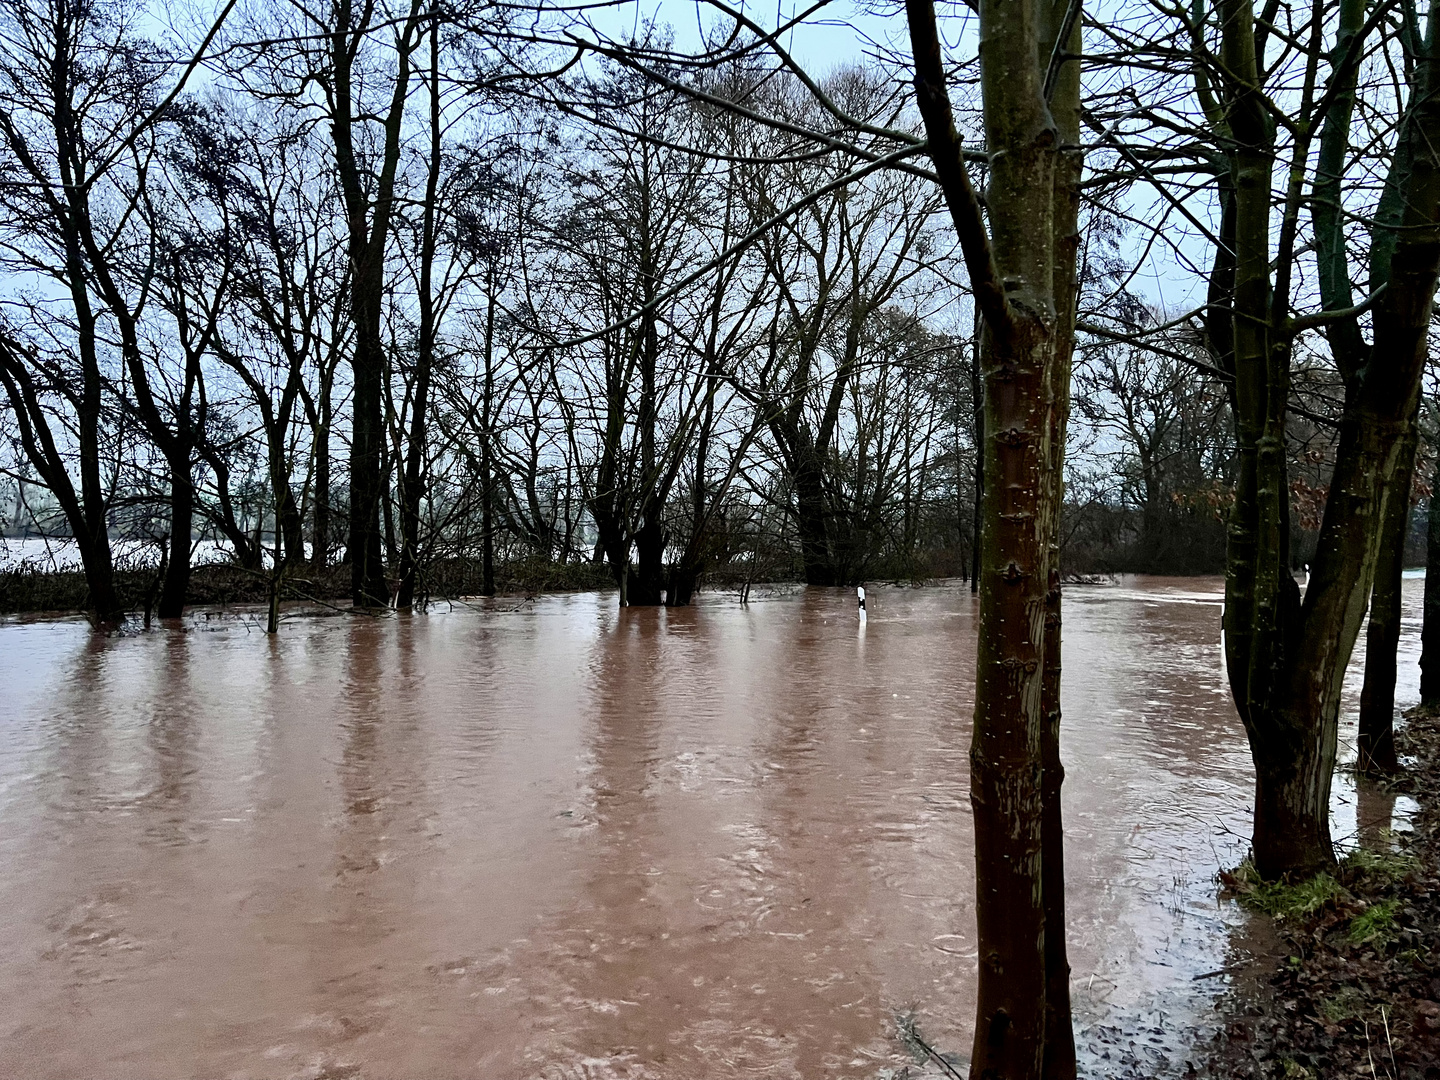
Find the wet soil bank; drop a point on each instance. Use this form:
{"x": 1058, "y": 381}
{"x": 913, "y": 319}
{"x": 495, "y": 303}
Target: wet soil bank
{"x": 1354, "y": 987}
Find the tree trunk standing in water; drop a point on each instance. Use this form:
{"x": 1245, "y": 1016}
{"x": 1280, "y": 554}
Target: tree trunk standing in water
{"x": 83, "y": 97}
{"x": 1060, "y": 32}
{"x": 1375, "y": 743}
{"x": 177, "y": 444}
{"x": 63, "y": 85}
{"x": 647, "y": 575}
{"x": 811, "y": 517}
{"x": 177, "y": 437}
{"x": 321, "y": 414}
{"x": 412, "y": 478}
{"x": 1025, "y": 292}
{"x": 368, "y": 222}
{"x": 86, "y": 512}
{"x": 1287, "y": 658}
{"x": 487, "y": 458}
{"x": 685, "y": 574}
{"x": 320, "y": 512}
{"x": 1430, "y": 627}
{"x": 978, "y": 431}
{"x": 182, "y": 525}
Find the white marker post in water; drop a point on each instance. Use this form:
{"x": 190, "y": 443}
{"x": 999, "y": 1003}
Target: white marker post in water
{"x": 860, "y": 593}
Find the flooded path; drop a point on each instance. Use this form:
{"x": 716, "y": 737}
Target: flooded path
{"x": 555, "y": 840}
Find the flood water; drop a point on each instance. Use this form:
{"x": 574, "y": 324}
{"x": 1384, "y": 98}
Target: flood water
{"x": 552, "y": 839}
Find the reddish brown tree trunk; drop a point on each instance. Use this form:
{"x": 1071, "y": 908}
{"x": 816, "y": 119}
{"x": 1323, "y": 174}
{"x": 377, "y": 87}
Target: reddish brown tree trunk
{"x": 1022, "y": 273}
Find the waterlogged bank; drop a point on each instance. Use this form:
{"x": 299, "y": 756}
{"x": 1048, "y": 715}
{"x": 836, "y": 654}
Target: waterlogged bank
{"x": 553, "y": 839}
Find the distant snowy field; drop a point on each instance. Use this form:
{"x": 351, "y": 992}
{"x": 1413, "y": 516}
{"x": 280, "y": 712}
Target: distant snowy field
{"x": 58, "y": 554}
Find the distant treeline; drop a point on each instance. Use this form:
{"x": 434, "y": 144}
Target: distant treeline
{"x": 387, "y": 290}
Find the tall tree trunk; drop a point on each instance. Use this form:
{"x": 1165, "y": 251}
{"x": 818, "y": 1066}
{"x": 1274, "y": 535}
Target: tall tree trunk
{"x": 977, "y": 397}
{"x": 1014, "y": 272}
{"x": 289, "y": 525}
{"x": 812, "y": 517}
{"x": 487, "y": 452}
{"x": 368, "y": 221}
{"x": 487, "y": 455}
{"x": 1430, "y": 628}
{"x": 1291, "y": 738}
{"x": 1286, "y": 659}
{"x": 647, "y": 577}
{"x": 91, "y": 512}
{"x": 367, "y": 435}
{"x": 94, "y": 520}
{"x": 412, "y": 477}
{"x": 1375, "y": 743}
{"x": 686, "y": 573}
{"x": 1061, "y": 32}
{"x": 320, "y": 515}
{"x": 292, "y": 525}
{"x": 390, "y": 544}
{"x": 603, "y": 499}
{"x": 411, "y": 485}
{"x": 182, "y": 523}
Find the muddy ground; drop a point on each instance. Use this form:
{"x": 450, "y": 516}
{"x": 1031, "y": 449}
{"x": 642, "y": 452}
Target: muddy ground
{"x": 1354, "y": 989}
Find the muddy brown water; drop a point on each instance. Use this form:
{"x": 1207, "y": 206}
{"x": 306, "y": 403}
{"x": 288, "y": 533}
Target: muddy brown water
{"x": 558, "y": 840}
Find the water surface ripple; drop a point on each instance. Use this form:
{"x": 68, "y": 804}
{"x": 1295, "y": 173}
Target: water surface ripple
{"x": 556, "y": 840}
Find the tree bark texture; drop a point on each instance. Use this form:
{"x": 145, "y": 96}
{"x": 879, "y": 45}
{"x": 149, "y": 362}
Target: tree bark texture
{"x": 1022, "y": 274}
{"x": 1061, "y": 27}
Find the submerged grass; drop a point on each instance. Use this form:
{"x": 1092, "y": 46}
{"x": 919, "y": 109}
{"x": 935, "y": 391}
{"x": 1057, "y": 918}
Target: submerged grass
{"x": 1281, "y": 899}
{"x": 1363, "y": 871}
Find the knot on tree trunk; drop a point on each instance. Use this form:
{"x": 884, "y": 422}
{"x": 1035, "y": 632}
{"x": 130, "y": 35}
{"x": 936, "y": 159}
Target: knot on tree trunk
{"x": 1013, "y": 436}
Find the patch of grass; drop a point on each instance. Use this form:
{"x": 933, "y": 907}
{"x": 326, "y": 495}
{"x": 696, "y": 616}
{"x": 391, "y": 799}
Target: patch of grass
{"x": 1281, "y": 899}
{"x": 1347, "y": 1003}
{"x": 1378, "y": 868}
{"x": 1375, "y": 924}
